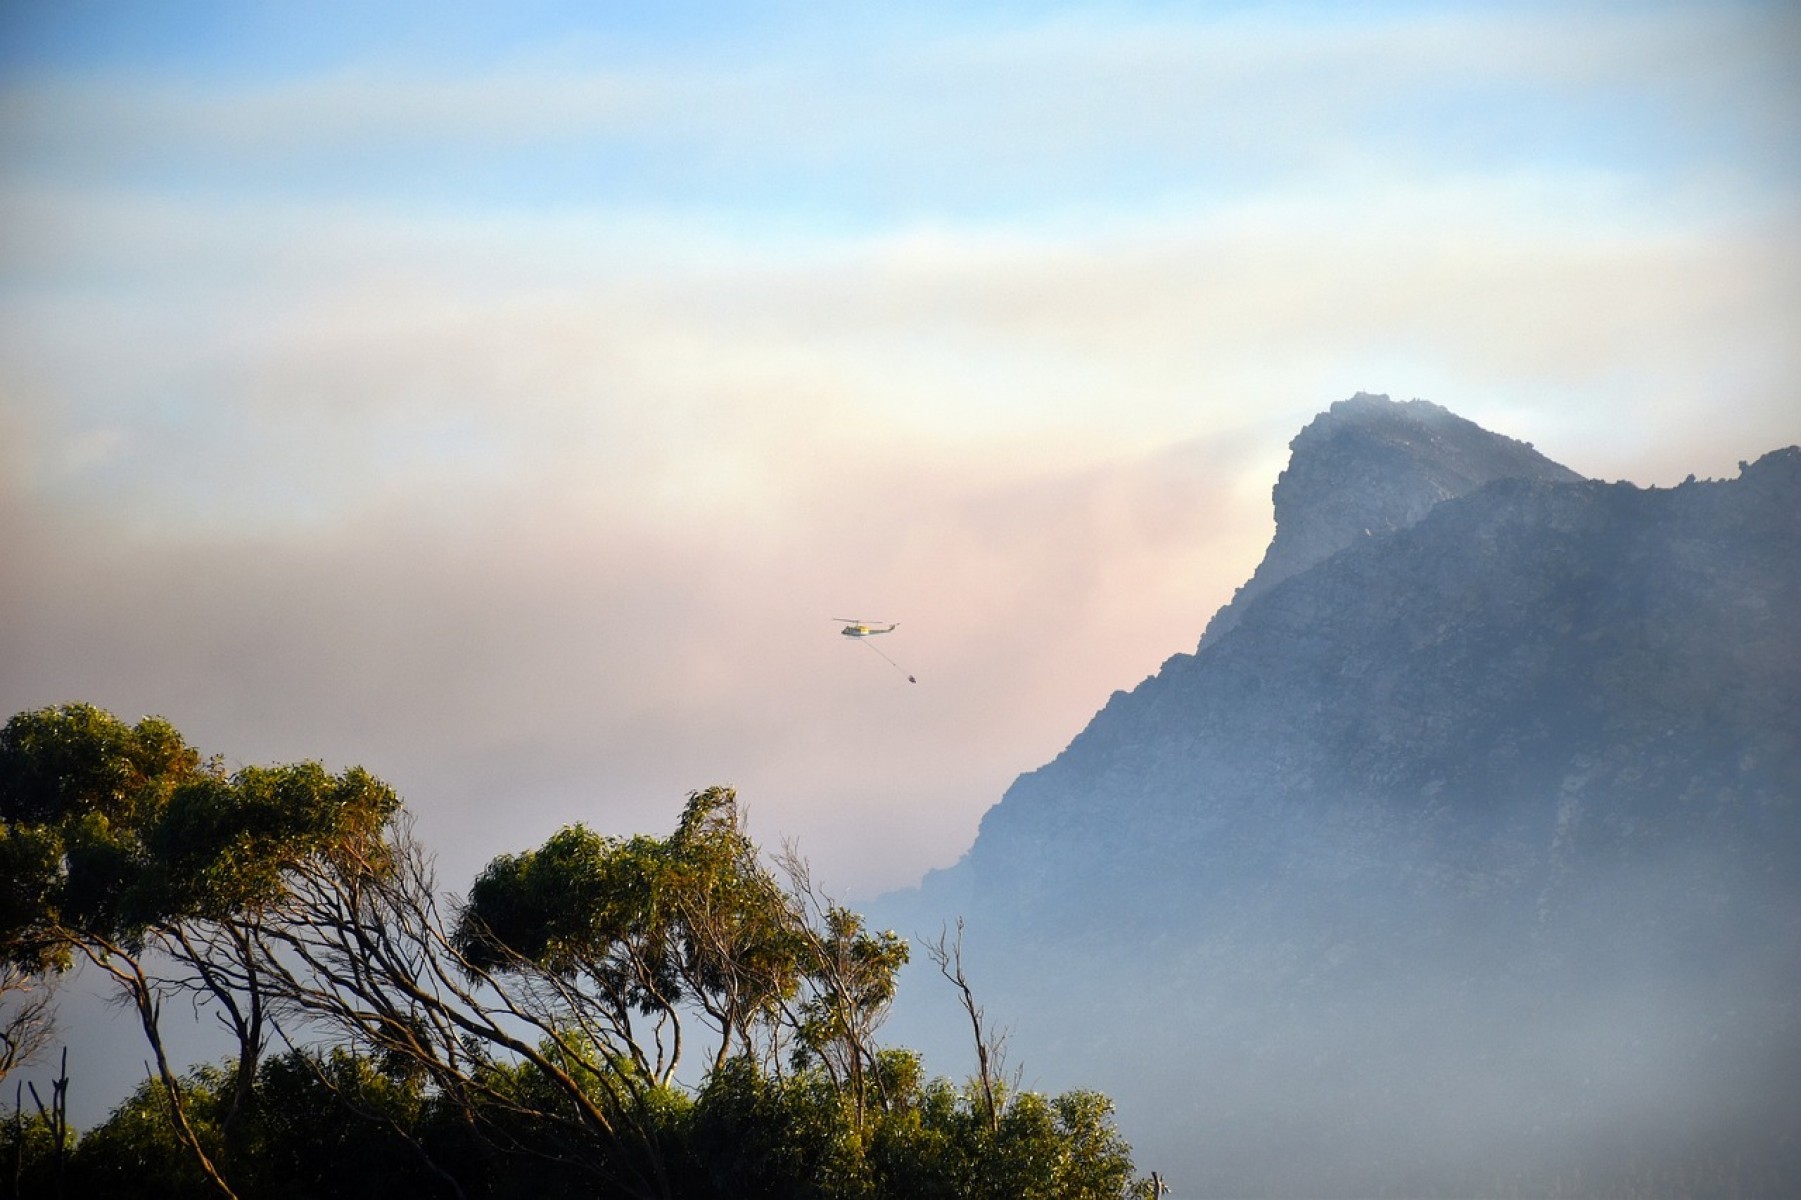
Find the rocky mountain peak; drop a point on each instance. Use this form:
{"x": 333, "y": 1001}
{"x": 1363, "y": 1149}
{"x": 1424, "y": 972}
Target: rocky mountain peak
{"x": 1369, "y": 466}
{"x": 1468, "y": 836}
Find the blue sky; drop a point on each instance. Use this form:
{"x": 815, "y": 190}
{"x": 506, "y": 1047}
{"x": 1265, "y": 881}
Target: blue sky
{"x": 505, "y": 397}
{"x": 961, "y": 112}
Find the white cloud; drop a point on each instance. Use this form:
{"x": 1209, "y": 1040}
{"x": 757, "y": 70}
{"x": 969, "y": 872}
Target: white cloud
{"x": 1002, "y": 118}
{"x": 338, "y": 357}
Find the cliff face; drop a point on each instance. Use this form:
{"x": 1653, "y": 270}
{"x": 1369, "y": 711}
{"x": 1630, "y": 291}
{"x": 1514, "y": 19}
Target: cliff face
{"x": 1459, "y": 841}
{"x": 1525, "y": 645}
{"x": 1368, "y": 466}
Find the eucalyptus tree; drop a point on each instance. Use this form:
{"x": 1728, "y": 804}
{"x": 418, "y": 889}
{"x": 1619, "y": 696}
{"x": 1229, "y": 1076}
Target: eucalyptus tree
{"x": 849, "y": 974}
{"x": 624, "y": 938}
{"x": 120, "y": 847}
{"x": 612, "y": 947}
{"x": 27, "y": 1016}
{"x": 538, "y": 1024}
{"x": 227, "y": 854}
{"x": 364, "y": 954}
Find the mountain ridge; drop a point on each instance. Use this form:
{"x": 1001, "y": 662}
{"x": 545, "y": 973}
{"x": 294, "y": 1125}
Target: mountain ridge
{"x": 1480, "y": 790}
{"x": 1367, "y": 466}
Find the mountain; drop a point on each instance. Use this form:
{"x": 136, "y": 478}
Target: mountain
{"x": 1368, "y": 466}
{"x": 1462, "y": 857}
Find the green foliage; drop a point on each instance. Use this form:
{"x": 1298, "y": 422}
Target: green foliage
{"x": 758, "y": 1135}
{"x": 643, "y": 924}
{"x": 29, "y": 1153}
{"x": 321, "y": 1126}
{"x": 563, "y": 905}
{"x": 30, "y": 872}
{"x": 1062, "y": 1147}
{"x": 755, "y": 1135}
{"x": 77, "y": 787}
{"x": 856, "y": 971}
{"x": 136, "y": 1155}
{"x": 110, "y": 829}
{"x": 74, "y": 760}
{"x": 333, "y": 1125}
{"x": 223, "y": 846}
{"x": 117, "y": 838}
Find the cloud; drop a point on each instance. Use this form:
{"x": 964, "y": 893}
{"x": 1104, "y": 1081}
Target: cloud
{"x": 890, "y": 116}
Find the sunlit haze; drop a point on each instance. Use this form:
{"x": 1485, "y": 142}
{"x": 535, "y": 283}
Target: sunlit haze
{"x": 508, "y": 402}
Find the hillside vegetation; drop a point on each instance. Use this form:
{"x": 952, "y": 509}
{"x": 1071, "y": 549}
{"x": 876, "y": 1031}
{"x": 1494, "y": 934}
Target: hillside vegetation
{"x": 638, "y": 1017}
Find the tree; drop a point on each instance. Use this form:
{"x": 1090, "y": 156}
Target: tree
{"x": 226, "y": 854}
{"x": 619, "y": 937}
{"x": 27, "y": 1016}
{"x": 991, "y": 1048}
{"x": 361, "y": 952}
{"x": 850, "y": 975}
{"x": 120, "y": 843}
{"x": 522, "y": 1042}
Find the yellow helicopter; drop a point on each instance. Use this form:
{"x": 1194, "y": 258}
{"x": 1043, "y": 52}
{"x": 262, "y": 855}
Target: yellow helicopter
{"x": 863, "y": 630}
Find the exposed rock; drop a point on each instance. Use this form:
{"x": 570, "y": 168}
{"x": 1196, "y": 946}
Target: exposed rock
{"x": 1369, "y": 466}
{"x": 1457, "y": 843}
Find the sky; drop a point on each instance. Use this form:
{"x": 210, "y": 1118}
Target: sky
{"x": 510, "y": 398}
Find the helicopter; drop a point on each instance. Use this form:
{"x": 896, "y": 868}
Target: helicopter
{"x": 861, "y": 629}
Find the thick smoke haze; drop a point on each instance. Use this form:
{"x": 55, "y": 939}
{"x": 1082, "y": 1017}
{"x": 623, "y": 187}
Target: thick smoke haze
{"x": 1462, "y": 864}
{"x": 513, "y": 671}
{"x": 507, "y": 402}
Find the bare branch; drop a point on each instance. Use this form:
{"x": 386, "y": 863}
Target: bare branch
{"x": 27, "y": 1016}
{"x": 947, "y": 953}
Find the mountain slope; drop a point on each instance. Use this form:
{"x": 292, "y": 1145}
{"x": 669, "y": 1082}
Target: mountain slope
{"x": 1368, "y": 466}
{"x": 1463, "y": 858}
